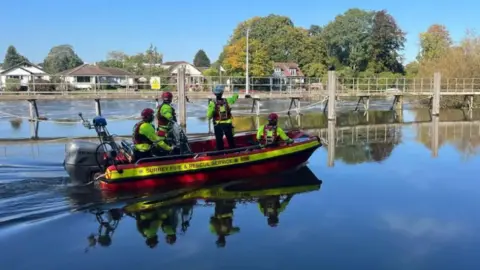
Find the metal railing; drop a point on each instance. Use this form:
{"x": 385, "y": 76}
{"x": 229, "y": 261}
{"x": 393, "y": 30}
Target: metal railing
{"x": 196, "y": 85}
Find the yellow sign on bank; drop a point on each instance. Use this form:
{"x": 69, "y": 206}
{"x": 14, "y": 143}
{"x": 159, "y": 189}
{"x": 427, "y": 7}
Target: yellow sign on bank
{"x": 155, "y": 83}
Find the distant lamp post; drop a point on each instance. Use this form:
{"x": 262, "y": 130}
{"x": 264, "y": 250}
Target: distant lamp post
{"x": 220, "y": 70}
{"x": 247, "y": 77}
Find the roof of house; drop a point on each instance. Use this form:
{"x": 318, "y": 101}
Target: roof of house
{"x": 202, "y": 68}
{"x": 93, "y": 70}
{"x": 25, "y": 65}
{"x": 285, "y": 67}
{"x": 174, "y": 63}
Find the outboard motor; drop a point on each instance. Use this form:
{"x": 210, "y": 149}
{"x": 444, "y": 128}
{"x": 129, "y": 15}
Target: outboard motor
{"x": 84, "y": 159}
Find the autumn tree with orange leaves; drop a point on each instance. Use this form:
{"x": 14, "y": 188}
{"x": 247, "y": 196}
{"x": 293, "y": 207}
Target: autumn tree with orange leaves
{"x": 235, "y": 60}
{"x": 439, "y": 54}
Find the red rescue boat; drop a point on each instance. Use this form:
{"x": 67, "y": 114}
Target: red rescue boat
{"x": 202, "y": 162}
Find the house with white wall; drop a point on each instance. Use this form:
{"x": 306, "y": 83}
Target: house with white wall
{"x": 194, "y": 75}
{"x": 26, "y": 72}
{"x": 89, "y": 76}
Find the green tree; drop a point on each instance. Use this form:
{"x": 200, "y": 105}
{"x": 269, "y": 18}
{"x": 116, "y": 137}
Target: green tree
{"x": 139, "y": 64}
{"x": 347, "y": 38}
{"x": 434, "y": 43}
{"x": 315, "y": 30}
{"x": 283, "y": 42}
{"x": 61, "y": 58}
{"x": 13, "y": 58}
{"x": 116, "y": 59}
{"x": 152, "y": 57}
{"x": 317, "y": 70}
{"x": 211, "y": 72}
{"x": 136, "y": 63}
{"x": 387, "y": 40}
{"x": 201, "y": 59}
{"x": 411, "y": 69}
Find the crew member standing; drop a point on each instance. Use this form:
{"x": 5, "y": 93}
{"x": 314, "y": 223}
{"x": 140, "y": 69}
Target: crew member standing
{"x": 220, "y": 110}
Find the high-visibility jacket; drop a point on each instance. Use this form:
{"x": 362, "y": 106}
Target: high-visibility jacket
{"x": 144, "y": 137}
{"x": 220, "y": 110}
{"x": 165, "y": 114}
{"x": 267, "y": 134}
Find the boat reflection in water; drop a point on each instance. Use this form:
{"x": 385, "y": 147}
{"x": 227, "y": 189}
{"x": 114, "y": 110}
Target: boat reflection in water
{"x": 170, "y": 212}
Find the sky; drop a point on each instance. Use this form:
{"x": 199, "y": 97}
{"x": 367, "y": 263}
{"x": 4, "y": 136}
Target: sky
{"x": 180, "y": 29}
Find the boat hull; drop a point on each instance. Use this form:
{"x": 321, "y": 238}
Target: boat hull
{"x": 240, "y": 170}
{"x": 301, "y": 180}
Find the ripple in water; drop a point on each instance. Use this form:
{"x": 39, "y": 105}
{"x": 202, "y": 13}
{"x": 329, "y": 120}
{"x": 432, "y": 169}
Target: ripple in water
{"x": 31, "y": 191}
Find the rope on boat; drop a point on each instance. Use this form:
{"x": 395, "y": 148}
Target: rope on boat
{"x": 99, "y": 176}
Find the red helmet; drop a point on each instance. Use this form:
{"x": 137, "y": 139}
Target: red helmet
{"x": 167, "y": 97}
{"x": 147, "y": 114}
{"x": 273, "y": 117}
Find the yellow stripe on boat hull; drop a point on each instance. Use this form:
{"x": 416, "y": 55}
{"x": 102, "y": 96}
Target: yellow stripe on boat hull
{"x": 147, "y": 171}
{"x": 219, "y": 193}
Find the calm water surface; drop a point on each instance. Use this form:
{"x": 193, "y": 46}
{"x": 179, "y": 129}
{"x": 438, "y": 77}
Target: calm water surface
{"x": 386, "y": 203}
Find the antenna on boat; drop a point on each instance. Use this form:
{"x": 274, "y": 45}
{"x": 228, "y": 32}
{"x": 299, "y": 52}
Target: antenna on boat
{"x": 100, "y": 125}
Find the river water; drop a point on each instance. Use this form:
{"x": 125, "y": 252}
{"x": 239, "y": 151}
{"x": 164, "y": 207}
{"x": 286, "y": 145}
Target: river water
{"x": 388, "y": 198}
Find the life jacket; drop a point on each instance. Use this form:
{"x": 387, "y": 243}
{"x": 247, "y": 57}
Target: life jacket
{"x": 222, "y": 110}
{"x": 161, "y": 120}
{"x": 137, "y": 137}
{"x": 269, "y": 207}
{"x": 269, "y": 134}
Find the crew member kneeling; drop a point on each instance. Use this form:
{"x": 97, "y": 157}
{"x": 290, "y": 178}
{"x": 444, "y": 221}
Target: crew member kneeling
{"x": 221, "y": 112}
{"x": 146, "y": 142}
{"x": 270, "y": 133}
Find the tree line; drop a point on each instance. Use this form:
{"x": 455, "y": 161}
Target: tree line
{"x": 358, "y": 43}
{"x": 63, "y": 57}
{"x": 59, "y": 58}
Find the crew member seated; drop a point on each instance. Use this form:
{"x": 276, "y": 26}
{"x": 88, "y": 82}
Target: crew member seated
{"x": 165, "y": 115}
{"x": 271, "y": 207}
{"x": 270, "y": 133}
{"x": 148, "y": 223}
{"x": 146, "y": 142}
{"x": 221, "y": 112}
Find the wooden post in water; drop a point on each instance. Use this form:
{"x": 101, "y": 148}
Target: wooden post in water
{"x": 435, "y": 134}
{"x": 331, "y": 143}
{"x": 182, "y": 109}
{"x": 98, "y": 107}
{"x": 437, "y": 80}
{"x": 332, "y": 85}
{"x": 34, "y": 129}
{"x": 32, "y": 105}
